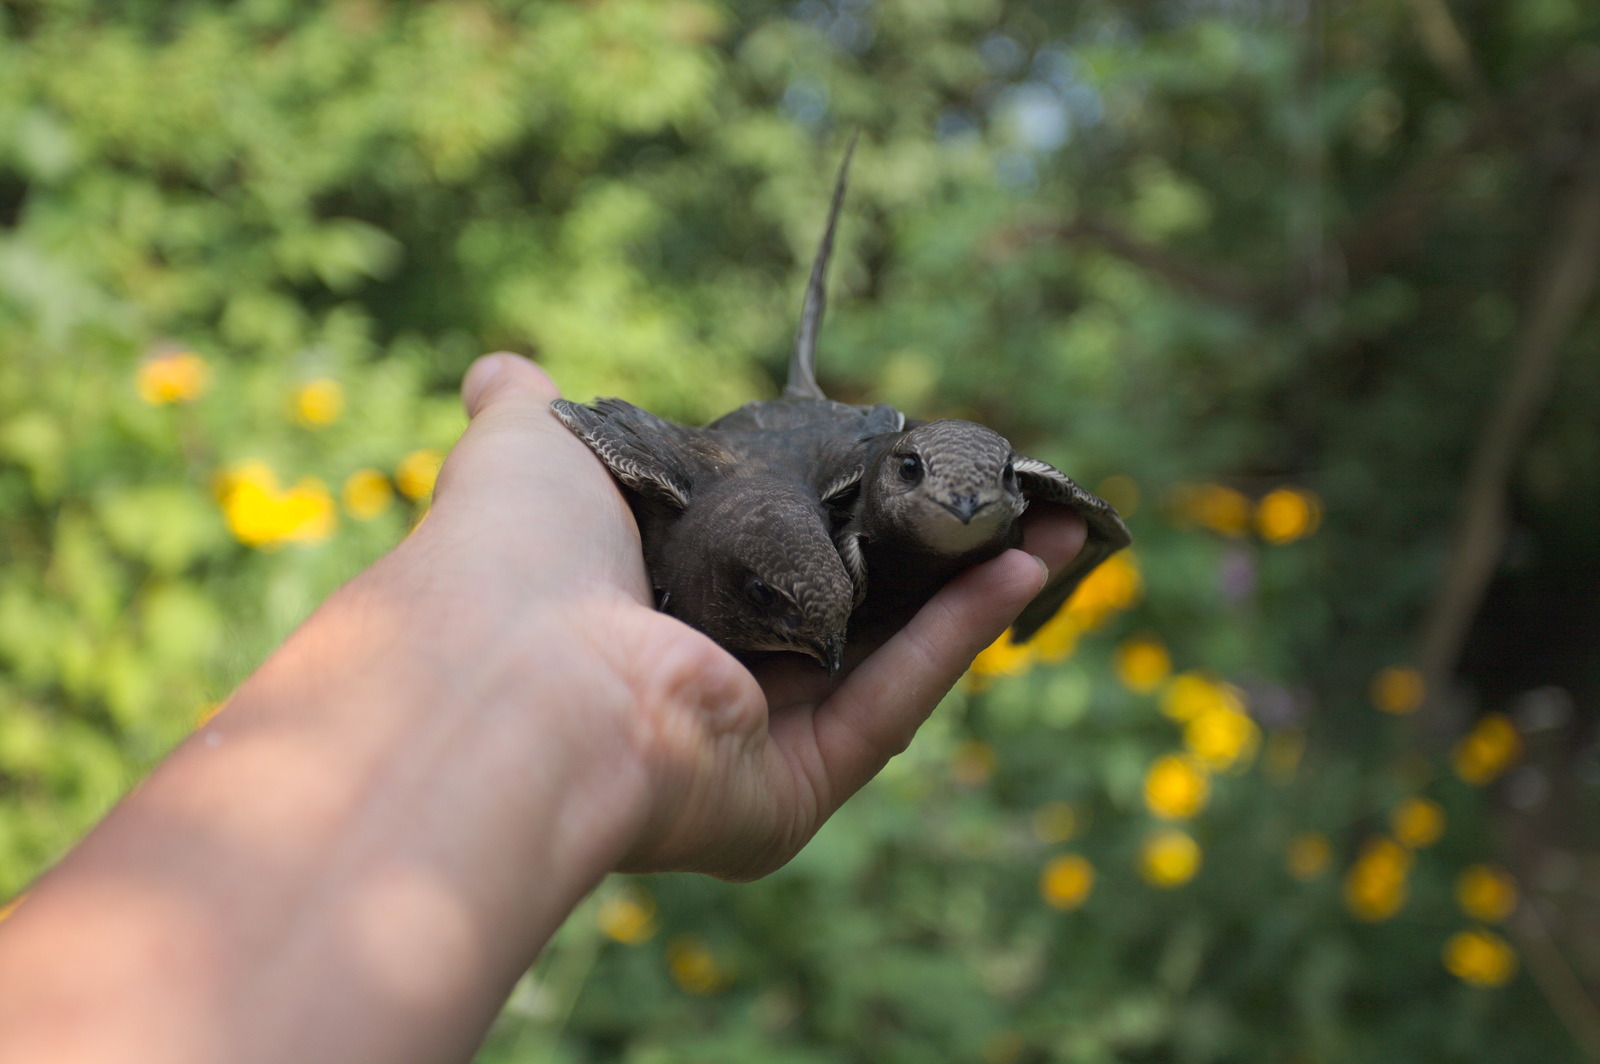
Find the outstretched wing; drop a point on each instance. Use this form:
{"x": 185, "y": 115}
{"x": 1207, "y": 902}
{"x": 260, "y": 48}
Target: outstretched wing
{"x": 646, "y": 453}
{"x": 1107, "y": 535}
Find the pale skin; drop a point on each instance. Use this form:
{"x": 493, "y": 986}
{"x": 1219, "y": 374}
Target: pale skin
{"x": 356, "y": 859}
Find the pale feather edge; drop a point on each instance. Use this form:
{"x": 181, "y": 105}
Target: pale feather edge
{"x": 855, "y": 563}
{"x": 625, "y": 468}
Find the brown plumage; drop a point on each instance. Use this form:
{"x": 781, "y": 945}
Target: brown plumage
{"x": 944, "y": 495}
{"x": 735, "y": 532}
{"x": 737, "y": 518}
{"x": 768, "y": 527}
{"x": 935, "y": 497}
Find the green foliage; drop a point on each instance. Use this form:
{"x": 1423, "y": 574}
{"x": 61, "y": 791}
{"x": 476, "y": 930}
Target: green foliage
{"x": 1171, "y": 242}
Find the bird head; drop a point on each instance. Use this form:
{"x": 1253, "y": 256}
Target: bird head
{"x": 950, "y": 484}
{"x": 751, "y": 563}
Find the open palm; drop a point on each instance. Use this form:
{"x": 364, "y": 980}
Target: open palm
{"x": 744, "y": 764}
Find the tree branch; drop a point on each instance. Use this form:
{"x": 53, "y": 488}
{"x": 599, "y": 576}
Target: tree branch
{"x": 1565, "y": 285}
{"x": 1205, "y": 281}
{"x": 1447, "y": 48}
{"x": 1387, "y": 232}
{"x": 1568, "y": 998}
{"x": 1394, "y": 227}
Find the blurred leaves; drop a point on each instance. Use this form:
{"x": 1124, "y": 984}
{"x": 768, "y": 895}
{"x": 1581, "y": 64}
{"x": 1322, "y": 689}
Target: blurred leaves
{"x": 1249, "y": 269}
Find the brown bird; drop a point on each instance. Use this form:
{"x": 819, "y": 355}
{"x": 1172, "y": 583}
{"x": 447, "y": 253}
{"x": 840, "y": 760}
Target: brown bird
{"x": 943, "y": 495}
{"x": 934, "y": 497}
{"x": 737, "y": 541}
{"x": 766, "y": 528}
{"x": 737, "y": 518}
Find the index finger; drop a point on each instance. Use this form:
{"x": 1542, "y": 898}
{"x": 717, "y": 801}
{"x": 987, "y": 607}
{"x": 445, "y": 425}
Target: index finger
{"x": 878, "y": 709}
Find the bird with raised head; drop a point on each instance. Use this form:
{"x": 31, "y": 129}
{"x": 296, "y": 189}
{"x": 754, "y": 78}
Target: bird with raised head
{"x": 943, "y": 495}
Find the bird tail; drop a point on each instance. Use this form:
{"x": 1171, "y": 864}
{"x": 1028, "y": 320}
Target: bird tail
{"x": 802, "y": 382}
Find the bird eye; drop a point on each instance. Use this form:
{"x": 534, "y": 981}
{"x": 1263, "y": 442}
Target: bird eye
{"x": 1010, "y": 474}
{"x": 759, "y": 593}
{"x": 911, "y": 469}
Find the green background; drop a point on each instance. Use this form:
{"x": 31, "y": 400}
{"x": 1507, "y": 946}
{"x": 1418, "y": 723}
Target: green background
{"x": 1240, "y": 242}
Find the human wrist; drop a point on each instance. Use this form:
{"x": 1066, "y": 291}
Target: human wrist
{"x": 545, "y": 713}
{"x": 356, "y": 858}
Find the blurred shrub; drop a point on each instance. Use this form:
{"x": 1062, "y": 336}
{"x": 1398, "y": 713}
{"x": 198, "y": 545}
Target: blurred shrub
{"x": 246, "y": 251}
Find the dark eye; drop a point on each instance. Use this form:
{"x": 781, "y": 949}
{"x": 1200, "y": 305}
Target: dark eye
{"x": 759, "y": 593}
{"x": 910, "y": 469}
{"x": 1010, "y": 474}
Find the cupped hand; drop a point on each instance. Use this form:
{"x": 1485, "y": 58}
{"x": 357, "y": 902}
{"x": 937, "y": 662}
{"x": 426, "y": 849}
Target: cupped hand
{"x": 741, "y": 768}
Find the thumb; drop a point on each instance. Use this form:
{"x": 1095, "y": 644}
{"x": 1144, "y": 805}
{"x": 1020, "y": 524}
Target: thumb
{"x": 504, "y": 377}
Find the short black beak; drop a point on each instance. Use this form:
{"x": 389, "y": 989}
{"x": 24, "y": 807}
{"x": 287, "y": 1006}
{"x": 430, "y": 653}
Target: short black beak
{"x": 829, "y": 654}
{"x": 963, "y": 506}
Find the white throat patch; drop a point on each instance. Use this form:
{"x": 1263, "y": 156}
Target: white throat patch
{"x": 941, "y": 531}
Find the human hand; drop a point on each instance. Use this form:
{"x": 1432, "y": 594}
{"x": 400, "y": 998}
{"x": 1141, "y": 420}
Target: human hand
{"x": 741, "y": 768}
{"x": 363, "y": 851}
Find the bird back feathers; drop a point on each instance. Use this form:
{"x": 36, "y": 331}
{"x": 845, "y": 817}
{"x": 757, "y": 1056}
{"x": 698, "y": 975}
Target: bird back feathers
{"x": 819, "y": 463}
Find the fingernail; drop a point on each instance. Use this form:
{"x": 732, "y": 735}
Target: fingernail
{"x": 1044, "y": 570}
{"x": 477, "y": 380}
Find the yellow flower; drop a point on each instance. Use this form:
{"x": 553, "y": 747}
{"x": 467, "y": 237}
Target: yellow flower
{"x": 249, "y": 496}
{"x": 1218, "y": 508}
{"x": 1000, "y": 658}
{"x": 319, "y": 402}
{"x": 1397, "y": 690}
{"x": 1375, "y": 885}
{"x": 172, "y": 377}
{"x": 366, "y": 494}
{"x": 252, "y": 514}
{"x": 1191, "y": 694}
{"x": 308, "y": 514}
{"x": 1055, "y": 642}
{"x": 1169, "y": 858}
{"x": 206, "y": 712}
{"x": 1055, "y": 822}
{"x": 1486, "y": 893}
{"x": 1417, "y": 822}
{"x": 1221, "y": 736}
{"x": 417, "y": 471}
{"x": 694, "y": 967}
{"x": 1142, "y": 663}
{"x": 1287, "y": 514}
{"x": 1066, "y": 881}
{"x": 261, "y": 514}
{"x": 1307, "y": 855}
{"x": 1487, "y": 750}
{"x": 1113, "y": 586}
{"x": 628, "y": 915}
{"x": 1479, "y": 957}
{"x": 1176, "y": 787}
{"x": 973, "y": 763}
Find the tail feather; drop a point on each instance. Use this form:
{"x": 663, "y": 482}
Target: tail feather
{"x": 802, "y": 382}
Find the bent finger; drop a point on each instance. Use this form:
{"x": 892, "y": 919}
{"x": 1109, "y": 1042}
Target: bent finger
{"x": 1053, "y": 533}
{"x": 875, "y": 713}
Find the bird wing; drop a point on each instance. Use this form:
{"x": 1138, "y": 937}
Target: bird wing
{"x": 1107, "y": 535}
{"x": 848, "y": 542}
{"x": 648, "y": 454}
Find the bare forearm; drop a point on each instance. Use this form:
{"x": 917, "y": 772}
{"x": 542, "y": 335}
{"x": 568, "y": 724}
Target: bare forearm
{"x": 358, "y": 856}
{"x": 353, "y": 861}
